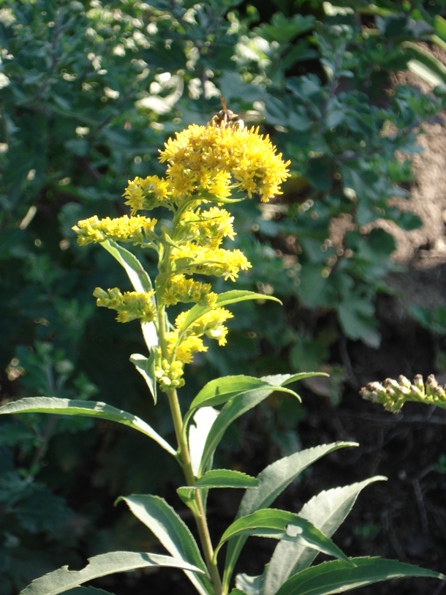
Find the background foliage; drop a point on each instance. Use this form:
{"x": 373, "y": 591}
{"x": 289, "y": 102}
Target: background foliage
{"x": 89, "y": 93}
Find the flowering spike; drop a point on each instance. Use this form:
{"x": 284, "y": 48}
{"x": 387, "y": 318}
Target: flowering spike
{"x": 392, "y": 394}
{"x": 205, "y": 165}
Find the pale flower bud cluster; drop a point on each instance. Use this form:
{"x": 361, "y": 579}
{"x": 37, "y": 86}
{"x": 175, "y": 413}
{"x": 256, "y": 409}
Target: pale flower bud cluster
{"x": 392, "y": 394}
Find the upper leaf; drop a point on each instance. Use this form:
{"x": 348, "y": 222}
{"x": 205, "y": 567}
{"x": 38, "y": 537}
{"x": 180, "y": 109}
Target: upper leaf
{"x": 146, "y": 367}
{"x": 138, "y": 278}
{"x": 234, "y": 408}
{"x": 220, "y": 390}
{"x": 226, "y": 478}
{"x": 97, "y": 409}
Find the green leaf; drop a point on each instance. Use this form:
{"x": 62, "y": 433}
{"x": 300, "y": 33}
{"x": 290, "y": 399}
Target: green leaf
{"x": 327, "y": 511}
{"x": 88, "y": 591}
{"x": 63, "y": 579}
{"x": 233, "y": 409}
{"x": 250, "y": 585}
{"x": 187, "y": 495}
{"x": 356, "y": 316}
{"x": 284, "y": 28}
{"x": 172, "y": 532}
{"x": 96, "y": 409}
{"x": 134, "y": 269}
{"x": 139, "y": 279}
{"x": 226, "y": 478}
{"x": 220, "y": 390}
{"x": 337, "y": 576}
{"x": 202, "y": 421}
{"x": 281, "y": 524}
{"x": 425, "y": 65}
{"x": 41, "y": 511}
{"x": 146, "y": 367}
{"x": 224, "y": 299}
{"x": 273, "y": 480}
{"x": 440, "y": 27}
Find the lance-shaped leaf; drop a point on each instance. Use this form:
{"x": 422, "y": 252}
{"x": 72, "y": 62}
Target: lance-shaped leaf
{"x": 273, "y": 480}
{"x": 281, "y": 524}
{"x": 203, "y": 419}
{"x": 327, "y": 511}
{"x": 216, "y": 478}
{"x": 96, "y": 409}
{"x": 250, "y": 585}
{"x": 146, "y": 367}
{"x": 62, "y": 580}
{"x": 134, "y": 269}
{"x": 338, "y": 576}
{"x": 219, "y": 391}
{"x": 88, "y": 591}
{"x": 172, "y": 532}
{"x": 139, "y": 279}
{"x": 234, "y": 408}
{"x": 226, "y": 478}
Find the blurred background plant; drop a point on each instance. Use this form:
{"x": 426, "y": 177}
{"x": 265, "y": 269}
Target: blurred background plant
{"x": 90, "y": 91}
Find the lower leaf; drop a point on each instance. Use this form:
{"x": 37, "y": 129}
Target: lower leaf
{"x": 61, "y": 580}
{"x": 338, "y": 576}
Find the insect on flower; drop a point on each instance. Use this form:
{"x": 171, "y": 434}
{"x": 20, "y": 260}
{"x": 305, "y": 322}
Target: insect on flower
{"x": 226, "y": 118}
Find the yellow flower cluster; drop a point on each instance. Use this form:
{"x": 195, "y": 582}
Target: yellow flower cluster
{"x": 136, "y": 230}
{"x": 179, "y": 289}
{"x": 183, "y": 344}
{"x": 192, "y": 259}
{"x": 215, "y": 160}
{"x": 205, "y": 227}
{"x": 204, "y": 164}
{"x": 130, "y": 305}
{"x": 210, "y": 324}
{"x": 147, "y": 194}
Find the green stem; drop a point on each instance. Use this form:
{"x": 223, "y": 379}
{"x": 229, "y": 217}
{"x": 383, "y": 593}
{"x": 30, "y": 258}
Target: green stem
{"x": 200, "y": 517}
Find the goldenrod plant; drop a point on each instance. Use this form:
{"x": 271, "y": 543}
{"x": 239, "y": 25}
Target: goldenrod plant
{"x": 206, "y": 168}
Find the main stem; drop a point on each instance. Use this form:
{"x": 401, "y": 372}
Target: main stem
{"x": 200, "y": 518}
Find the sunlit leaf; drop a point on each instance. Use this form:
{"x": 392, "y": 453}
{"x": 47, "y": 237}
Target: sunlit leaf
{"x": 327, "y": 511}
{"x": 63, "y": 579}
{"x": 172, "y": 532}
{"x": 281, "y": 524}
{"x": 96, "y": 409}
